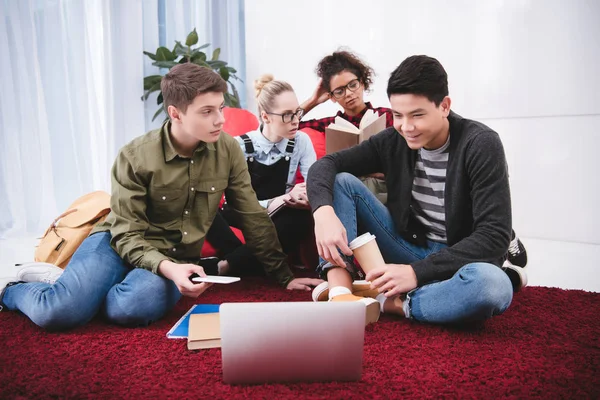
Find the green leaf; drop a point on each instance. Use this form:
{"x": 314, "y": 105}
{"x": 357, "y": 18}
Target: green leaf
{"x": 157, "y": 113}
{"x": 217, "y": 64}
{"x": 198, "y": 56}
{"x": 159, "y": 99}
{"x": 164, "y": 64}
{"x": 151, "y": 80}
{"x": 202, "y": 47}
{"x": 227, "y": 98}
{"x": 164, "y": 54}
{"x": 192, "y": 38}
{"x": 202, "y": 64}
{"x": 152, "y": 56}
{"x": 179, "y": 49}
{"x": 236, "y": 95}
{"x": 216, "y": 54}
{"x": 231, "y": 70}
{"x": 231, "y": 100}
{"x": 151, "y": 90}
{"x": 224, "y": 74}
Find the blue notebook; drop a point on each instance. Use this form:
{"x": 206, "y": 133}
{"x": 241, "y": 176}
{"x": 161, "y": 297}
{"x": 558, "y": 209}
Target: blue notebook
{"x": 180, "y": 329}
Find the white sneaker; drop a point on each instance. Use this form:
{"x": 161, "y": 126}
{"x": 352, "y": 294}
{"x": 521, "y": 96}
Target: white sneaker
{"x": 39, "y": 272}
{"x": 516, "y": 274}
{"x": 359, "y": 288}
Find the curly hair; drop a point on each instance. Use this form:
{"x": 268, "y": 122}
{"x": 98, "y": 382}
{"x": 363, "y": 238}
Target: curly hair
{"x": 343, "y": 60}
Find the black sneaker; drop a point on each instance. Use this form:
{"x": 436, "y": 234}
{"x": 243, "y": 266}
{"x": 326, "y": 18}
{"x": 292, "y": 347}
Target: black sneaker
{"x": 516, "y": 274}
{"x": 517, "y": 255}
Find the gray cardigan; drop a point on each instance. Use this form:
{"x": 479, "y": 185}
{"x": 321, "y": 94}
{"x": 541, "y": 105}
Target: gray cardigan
{"x": 477, "y": 195}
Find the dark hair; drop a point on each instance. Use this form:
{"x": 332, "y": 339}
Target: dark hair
{"x": 186, "y": 81}
{"x": 420, "y": 75}
{"x": 343, "y": 60}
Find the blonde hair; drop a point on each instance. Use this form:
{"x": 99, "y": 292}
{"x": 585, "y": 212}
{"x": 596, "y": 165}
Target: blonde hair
{"x": 267, "y": 89}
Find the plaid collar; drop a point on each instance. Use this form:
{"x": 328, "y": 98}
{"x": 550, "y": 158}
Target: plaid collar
{"x": 355, "y": 119}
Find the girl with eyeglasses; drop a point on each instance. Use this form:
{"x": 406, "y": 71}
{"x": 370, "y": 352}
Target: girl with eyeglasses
{"x": 344, "y": 79}
{"x": 274, "y": 153}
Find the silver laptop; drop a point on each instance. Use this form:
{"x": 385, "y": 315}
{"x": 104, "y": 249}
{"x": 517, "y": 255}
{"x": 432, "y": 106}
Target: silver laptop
{"x": 292, "y": 342}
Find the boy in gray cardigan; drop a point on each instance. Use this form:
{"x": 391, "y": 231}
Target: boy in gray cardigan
{"x": 446, "y": 229}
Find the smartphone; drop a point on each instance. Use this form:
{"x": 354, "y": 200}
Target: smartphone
{"x": 215, "y": 279}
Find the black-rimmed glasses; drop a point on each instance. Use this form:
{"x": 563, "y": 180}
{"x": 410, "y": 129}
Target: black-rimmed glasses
{"x": 289, "y": 116}
{"x": 353, "y": 85}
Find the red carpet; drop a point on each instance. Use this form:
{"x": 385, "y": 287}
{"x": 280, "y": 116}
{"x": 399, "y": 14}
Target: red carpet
{"x": 546, "y": 345}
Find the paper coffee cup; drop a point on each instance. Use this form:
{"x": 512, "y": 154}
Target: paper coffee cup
{"x": 367, "y": 252}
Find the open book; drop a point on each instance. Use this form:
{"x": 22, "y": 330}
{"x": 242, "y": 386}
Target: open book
{"x": 342, "y": 135}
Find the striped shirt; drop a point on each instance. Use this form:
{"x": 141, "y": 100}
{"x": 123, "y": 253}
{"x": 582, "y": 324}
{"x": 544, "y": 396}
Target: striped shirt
{"x": 428, "y": 191}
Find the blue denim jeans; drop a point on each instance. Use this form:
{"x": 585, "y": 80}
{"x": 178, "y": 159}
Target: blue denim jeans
{"x": 95, "y": 280}
{"x": 476, "y": 291}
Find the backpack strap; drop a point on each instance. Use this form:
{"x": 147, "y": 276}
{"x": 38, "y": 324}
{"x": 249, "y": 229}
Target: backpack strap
{"x": 289, "y": 149}
{"x": 248, "y": 144}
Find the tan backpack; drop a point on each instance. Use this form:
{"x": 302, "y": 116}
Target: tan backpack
{"x": 67, "y": 231}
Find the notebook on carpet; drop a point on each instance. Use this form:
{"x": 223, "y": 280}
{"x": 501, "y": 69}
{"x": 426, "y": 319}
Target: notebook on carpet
{"x": 204, "y": 332}
{"x": 181, "y": 327}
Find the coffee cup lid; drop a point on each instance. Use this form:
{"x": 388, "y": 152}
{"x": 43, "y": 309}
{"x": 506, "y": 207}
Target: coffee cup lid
{"x": 361, "y": 240}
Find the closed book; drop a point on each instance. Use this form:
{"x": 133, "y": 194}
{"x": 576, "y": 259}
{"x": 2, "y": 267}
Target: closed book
{"x": 204, "y": 332}
{"x": 181, "y": 327}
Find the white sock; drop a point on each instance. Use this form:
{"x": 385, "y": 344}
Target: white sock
{"x": 381, "y": 299}
{"x": 338, "y": 290}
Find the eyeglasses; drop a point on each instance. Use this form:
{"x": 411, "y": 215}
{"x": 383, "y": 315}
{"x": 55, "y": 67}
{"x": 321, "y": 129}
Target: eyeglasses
{"x": 289, "y": 116}
{"x": 353, "y": 85}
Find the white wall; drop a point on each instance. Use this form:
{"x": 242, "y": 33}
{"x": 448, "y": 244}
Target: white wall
{"x": 528, "y": 68}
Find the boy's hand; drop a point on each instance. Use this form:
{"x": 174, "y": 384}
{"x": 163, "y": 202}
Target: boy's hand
{"x": 393, "y": 279}
{"x": 303, "y": 284}
{"x": 180, "y": 275}
{"x": 330, "y": 236}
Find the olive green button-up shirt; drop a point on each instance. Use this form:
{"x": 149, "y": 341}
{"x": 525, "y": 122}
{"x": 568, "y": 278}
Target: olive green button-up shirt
{"x": 163, "y": 204}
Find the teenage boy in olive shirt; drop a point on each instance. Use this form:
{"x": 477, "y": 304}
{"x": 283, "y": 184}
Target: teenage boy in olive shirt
{"x": 166, "y": 188}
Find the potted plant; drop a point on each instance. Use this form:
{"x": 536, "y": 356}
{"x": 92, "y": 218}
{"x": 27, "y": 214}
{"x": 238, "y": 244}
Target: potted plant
{"x": 165, "y": 58}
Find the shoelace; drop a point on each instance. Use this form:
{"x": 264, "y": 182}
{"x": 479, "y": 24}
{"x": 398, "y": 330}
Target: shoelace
{"x": 49, "y": 278}
{"x": 513, "y": 247}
